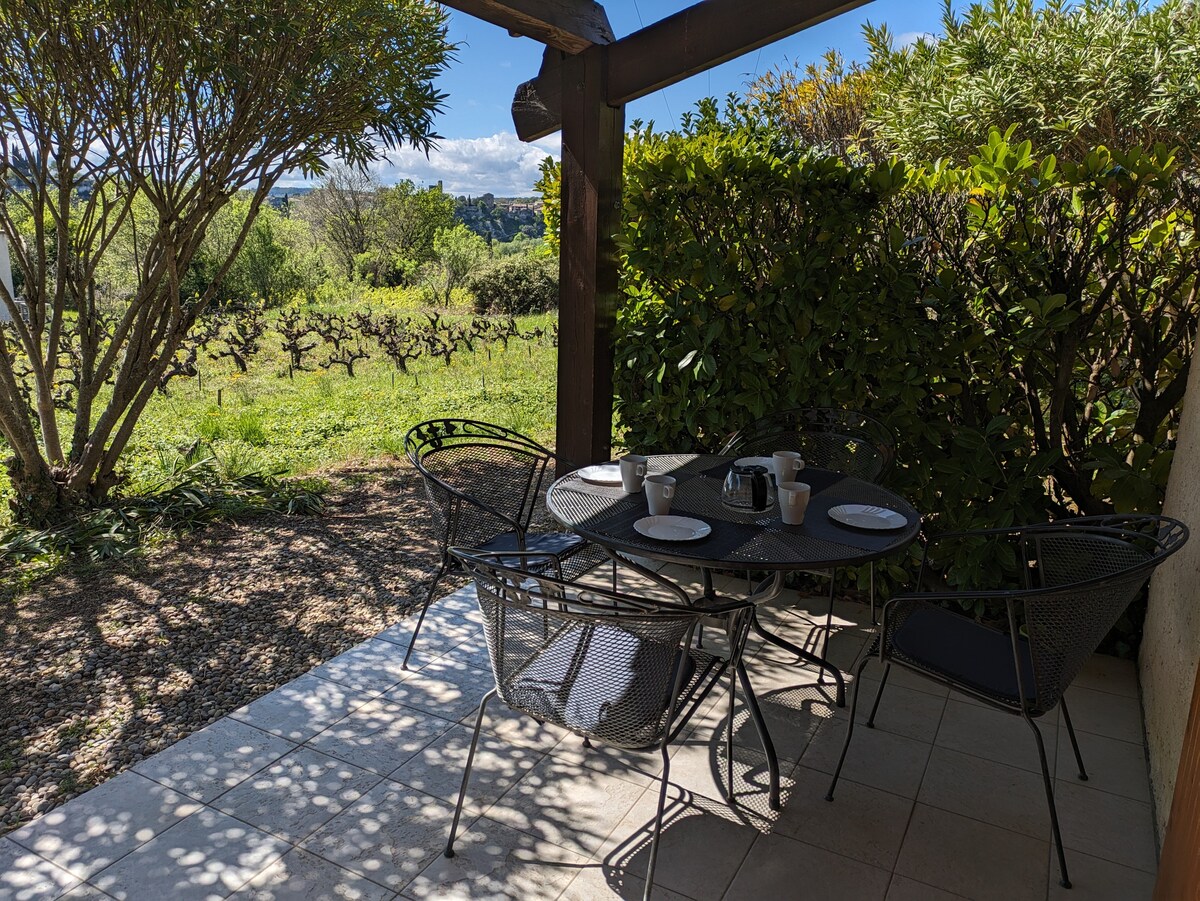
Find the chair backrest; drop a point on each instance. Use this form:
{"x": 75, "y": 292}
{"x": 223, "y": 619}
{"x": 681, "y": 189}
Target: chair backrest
{"x": 1084, "y": 573}
{"x": 501, "y": 470}
{"x": 842, "y": 440}
{"x": 602, "y": 664}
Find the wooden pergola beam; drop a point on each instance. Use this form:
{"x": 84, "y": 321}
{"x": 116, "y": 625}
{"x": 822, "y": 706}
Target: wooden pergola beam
{"x": 586, "y": 78}
{"x": 706, "y": 35}
{"x": 537, "y": 104}
{"x": 660, "y": 55}
{"x": 568, "y": 25}
{"x": 593, "y": 135}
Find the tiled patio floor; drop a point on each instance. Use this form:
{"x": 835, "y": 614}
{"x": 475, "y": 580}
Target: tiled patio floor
{"x": 340, "y": 785}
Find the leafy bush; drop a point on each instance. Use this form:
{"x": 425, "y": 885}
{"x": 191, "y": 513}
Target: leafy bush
{"x": 549, "y": 186}
{"x": 1024, "y": 325}
{"x": 516, "y": 286}
{"x": 204, "y": 491}
{"x": 1073, "y": 75}
{"x": 459, "y": 252}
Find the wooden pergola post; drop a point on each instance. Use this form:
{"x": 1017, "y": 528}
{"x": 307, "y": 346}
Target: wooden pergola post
{"x": 587, "y": 77}
{"x": 593, "y": 135}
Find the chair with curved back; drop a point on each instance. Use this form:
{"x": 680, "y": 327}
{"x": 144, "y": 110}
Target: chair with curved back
{"x": 1076, "y": 578}
{"x": 845, "y": 441}
{"x": 484, "y": 483}
{"x": 610, "y": 667}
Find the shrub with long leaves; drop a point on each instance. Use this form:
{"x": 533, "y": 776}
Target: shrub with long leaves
{"x": 201, "y": 493}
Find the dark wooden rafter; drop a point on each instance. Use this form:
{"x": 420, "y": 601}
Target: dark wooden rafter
{"x": 667, "y": 52}
{"x": 537, "y": 105}
{"x": 568, "y": 25}
{"x": 585, "y": 80}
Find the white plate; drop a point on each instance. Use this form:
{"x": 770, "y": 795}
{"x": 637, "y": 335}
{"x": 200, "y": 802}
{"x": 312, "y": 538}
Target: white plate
{"x": 756, "y": 461}
{"x": 864, "y": 516}
{"x": 672, "y": 528}
{"x": 602, "y": 474}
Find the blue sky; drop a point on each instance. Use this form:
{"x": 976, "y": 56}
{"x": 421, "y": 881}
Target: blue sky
{"x": 480, "y": 152}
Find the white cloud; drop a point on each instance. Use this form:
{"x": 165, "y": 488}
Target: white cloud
{"x": 910, "y": 38}
{"x": 500, "y": 164}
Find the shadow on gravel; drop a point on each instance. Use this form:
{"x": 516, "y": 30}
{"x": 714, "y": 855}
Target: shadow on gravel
{"x": 105, "y": 665}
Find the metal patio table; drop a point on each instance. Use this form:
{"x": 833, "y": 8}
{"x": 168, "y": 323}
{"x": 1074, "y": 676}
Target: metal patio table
{"x": 742, "y": 541}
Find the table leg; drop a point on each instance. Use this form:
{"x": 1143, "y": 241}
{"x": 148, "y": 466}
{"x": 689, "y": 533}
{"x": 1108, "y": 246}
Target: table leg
{"x": 764, "y": 736}
{"x": 802, "y": 654}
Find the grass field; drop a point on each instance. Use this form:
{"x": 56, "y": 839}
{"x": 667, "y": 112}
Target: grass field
{"x": 264, "y": 421}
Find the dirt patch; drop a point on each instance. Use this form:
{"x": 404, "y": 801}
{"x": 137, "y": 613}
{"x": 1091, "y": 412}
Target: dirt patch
{"x": 105, "y": 666}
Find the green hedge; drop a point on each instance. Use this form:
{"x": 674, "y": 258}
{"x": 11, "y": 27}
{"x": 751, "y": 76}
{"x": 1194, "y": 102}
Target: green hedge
{"x": 516, "y": 286}
{"x": 1024, "y": 325}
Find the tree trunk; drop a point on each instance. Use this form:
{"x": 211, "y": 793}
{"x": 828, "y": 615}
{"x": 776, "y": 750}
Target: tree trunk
{"x": 38, "y": 499}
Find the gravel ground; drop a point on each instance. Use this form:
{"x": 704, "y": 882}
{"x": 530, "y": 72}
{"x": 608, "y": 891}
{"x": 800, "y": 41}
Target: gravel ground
{"x": 105, "y": 666}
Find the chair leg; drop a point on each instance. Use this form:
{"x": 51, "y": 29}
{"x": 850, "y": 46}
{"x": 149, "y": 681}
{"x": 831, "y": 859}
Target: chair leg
{"x": 1064, "y": 880}
{"x": 828, "y": 625}
{"x": 874, "y": 621}
{"x": 730, "y": 796}
{"x": 658, "y": 818}
{"x": 1074, "y": 744}
{"x": 887, "y": 669}
{"x": 421, "y": 618}
{"x": 837, "y": 772}
{"x": 462, "y": 791}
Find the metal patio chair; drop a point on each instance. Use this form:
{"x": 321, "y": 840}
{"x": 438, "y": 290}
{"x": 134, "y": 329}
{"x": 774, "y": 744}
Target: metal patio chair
{"x": 842, "y": 440}
{"x": 1076, "y": 577}
{"x": 845, "y": 441}
{"x": 609, "y": 667}
{"x": 484, "y": 483}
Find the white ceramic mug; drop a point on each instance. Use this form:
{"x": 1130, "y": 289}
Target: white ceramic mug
{"x": 633, "y": 472}
{"x": 659, "y": 492}
{"x": 786, "y": 464}
{"x": 793, "y": 501}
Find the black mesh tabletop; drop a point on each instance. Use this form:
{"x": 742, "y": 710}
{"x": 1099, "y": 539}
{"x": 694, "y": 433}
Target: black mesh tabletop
{"x": 606, "y": 516}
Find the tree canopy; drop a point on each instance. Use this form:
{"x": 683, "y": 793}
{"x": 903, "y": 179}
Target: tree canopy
{"x": 176, "y": 105}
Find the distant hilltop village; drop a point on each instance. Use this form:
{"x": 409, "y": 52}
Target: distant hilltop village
{"x": 491, "y": 217}
{"x": 501, "y": 218}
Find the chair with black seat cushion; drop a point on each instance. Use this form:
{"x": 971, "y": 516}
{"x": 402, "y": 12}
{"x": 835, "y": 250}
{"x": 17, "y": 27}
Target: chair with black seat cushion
{"x": 1076, "y": 578}
{"x": 609, "y": 667}
{"x": 845, "y": 441}
{"x": 484, "y": 484}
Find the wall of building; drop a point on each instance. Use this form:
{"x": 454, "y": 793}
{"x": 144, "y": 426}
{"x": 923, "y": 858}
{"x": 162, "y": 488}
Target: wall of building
{"x": 1171, "y": 644}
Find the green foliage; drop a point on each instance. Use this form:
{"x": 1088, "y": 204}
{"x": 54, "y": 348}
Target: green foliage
{"x": 273, "y": 265}
{"x": 403, "y": 221}
{"x": 202, "y": 491}
{"x": 1024, "y": 325}
{"x": 162, "y": 111}
{"x": 520, "y": 245}
{"x": 320, "y": 418}
{"x": 1073, "y": 75}
{"x": 1081, "y": 282}
{"x": 823, "y": 108}
{"x": 549, "y": 185}
{"x": 516, "y": 285}
{"x": 410, "y": 217}
{"x": 458, "y": 252}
